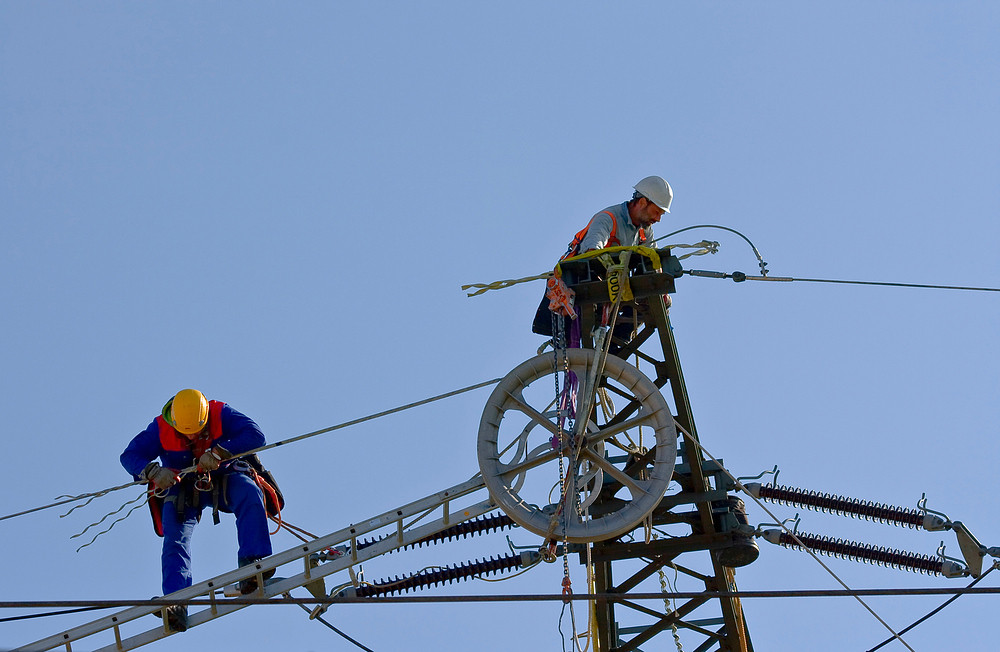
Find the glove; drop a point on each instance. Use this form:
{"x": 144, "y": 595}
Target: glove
{"x": 210, "y": 459}
{"x": 161, "y": 477}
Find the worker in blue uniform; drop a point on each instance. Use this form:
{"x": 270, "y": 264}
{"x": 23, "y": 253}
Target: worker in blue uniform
{"x": 195, "y": 431}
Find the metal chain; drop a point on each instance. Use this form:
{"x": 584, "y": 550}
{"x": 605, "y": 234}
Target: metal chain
{"x": 667, "y": 606}
{"x": 561, "y": 361}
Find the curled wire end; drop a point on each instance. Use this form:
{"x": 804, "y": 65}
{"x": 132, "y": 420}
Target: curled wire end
{"x": 141, "y": 497}
{"x": 743, "y": 478}
{"x": 76, "y": 507}
{"x": 108, "y": 529}
{"x": 795, "y": 521}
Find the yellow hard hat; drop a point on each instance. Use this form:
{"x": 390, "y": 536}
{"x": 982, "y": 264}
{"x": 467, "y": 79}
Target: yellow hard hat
{"x": 188, "y": 411}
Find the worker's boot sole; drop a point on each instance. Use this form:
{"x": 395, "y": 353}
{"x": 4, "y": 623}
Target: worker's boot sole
{"x": 177, "y": 618}
{"x": 249, "y": 585}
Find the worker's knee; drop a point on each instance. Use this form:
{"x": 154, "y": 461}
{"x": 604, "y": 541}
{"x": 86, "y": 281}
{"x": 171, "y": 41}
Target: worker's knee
{"x": 243, "y": 495}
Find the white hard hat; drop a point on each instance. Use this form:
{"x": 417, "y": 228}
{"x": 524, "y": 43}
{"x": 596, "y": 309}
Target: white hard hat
{"x": 656, "y": 190}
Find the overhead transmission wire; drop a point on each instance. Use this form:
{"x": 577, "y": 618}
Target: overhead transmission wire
{"x": 742, "y": 594}
{"x": 760, "y": 259}
{"x": 739, "y": 485}
{"x": 93, "y": 605}
{"x": 740, "y": 276}
{"x": 338, "y": 631}
{"x": 71, "y": 499}
{"x": 63, "y": 612}
{"x": 939, "y": 608}
{"x": 339, "y": 426}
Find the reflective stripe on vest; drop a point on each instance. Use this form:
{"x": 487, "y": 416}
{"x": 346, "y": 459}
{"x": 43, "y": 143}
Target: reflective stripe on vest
{"x": 171, "y": 440}
{"x": 574, "y": 247}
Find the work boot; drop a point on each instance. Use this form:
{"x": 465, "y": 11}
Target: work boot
{"x": 177, "y": 617}
{"x": 249, "y": 585}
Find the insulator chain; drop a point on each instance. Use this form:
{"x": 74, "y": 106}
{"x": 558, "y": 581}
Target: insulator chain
{"x": 465, "y": 529}
{"x": 840, "y": 505}
{"x": 440, "y": 576}
{"x": 865, "y": 552}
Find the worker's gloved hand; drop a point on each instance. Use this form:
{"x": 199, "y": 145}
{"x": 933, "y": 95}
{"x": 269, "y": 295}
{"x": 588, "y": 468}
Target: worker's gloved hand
{"x": 161, "y": 477}
{"x": 210, "y": 459}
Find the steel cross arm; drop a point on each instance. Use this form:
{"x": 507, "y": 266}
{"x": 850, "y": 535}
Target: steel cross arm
{"x": 663, "y": 623}
{"x": 302, "y": 553}
{"x": 707, "y": 633}
{"x": 671, "y": 619}
{"x": 672, "y": 547}
{"x": 646, "y": 571}
{"x": 665, "y": 620}
{"x": 707, "y": 644}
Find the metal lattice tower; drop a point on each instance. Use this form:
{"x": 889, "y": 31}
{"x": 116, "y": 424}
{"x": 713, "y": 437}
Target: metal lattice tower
{"x": 705, "y": 493}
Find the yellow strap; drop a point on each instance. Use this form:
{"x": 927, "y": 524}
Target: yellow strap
{"x": 648, "y": 252}
{"x": 499, "y": 285}
{"x": 617, "y": 277}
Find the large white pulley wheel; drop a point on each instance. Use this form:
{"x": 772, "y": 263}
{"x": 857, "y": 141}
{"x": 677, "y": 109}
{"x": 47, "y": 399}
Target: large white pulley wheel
{"x": 614, "y": 471}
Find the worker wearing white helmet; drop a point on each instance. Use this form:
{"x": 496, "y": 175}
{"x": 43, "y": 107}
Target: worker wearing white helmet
{"x": 623, "y": 225}
{"x": 629, "y": 223}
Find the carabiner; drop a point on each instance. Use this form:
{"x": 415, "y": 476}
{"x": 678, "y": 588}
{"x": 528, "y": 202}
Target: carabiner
{"x": 204, "y": 482}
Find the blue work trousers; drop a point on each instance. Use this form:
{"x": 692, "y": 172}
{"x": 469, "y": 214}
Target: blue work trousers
{"x": 238, "y": 494}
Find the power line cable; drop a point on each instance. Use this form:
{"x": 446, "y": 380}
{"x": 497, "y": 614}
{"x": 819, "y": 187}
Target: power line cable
{"x": 72, "y": 499}
{"x": 370, "y": 417}
{"x": 339, "y": 632}
{"x": 739, "y": 277}
{"x": 531, "y": 597}
{"x": 339, "y": 426}
{"x": 935, "y": 611}
{"x": 760, "y": 259}
{"x": 51, "y": 613}
{"x": 760, "y": 503}
{"x": 320, "y": 619}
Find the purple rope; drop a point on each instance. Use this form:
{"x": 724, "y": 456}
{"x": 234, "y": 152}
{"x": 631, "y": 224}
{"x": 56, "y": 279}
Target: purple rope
{"x": 574, "y": 331}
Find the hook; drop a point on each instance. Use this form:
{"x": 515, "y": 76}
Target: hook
{"x": 795, "y": 520}
{"x": 922, "y": 507}
{"x": 514, "y": 548}
{"x": 940, "y": 553}
{"x": 758, "y": 476}
{"x": 204, "y": 482}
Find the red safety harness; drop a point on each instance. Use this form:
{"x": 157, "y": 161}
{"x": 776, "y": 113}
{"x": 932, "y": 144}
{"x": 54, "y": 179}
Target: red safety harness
{"x": 574, "y": 247}
{"x": 171, "y": 440}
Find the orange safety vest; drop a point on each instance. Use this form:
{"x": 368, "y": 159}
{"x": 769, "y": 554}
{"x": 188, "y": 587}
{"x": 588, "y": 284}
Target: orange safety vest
{"x": 574, "y": 247}
{"x": 171, "y": 440}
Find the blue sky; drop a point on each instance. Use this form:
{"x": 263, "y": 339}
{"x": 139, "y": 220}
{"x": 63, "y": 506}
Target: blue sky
{"x": 278, "y": 204}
